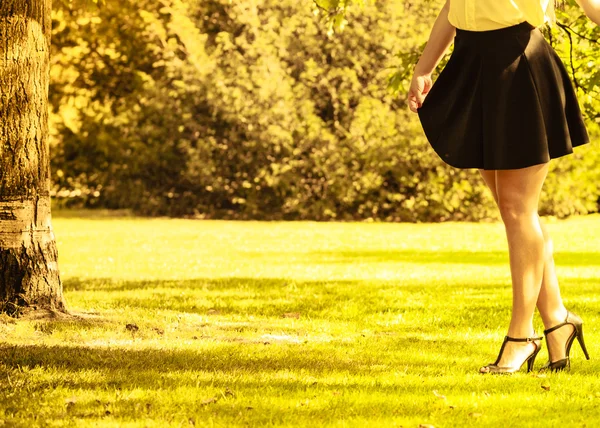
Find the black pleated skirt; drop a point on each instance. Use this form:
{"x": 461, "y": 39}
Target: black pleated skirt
{"x": 503, "y": 101}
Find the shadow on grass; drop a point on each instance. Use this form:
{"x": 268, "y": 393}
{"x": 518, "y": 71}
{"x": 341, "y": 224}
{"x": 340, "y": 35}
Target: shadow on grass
{"x": 349, "y": 300}
{"x": 259, "y": 384}
{"x": 273, "y": 382}
{"x": 351, "y": 358}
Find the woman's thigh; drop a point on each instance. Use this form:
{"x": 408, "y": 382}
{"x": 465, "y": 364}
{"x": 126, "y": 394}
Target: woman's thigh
{"x": 518, "y": 190}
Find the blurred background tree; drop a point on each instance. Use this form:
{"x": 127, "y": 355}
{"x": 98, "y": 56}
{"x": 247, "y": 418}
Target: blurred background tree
{"x": 264, "y": 109}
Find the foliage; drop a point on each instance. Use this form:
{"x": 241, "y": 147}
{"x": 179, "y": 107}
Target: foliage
{"x": 256, "y": 109}
{"x": 577, "y": 41}
{"x": 79, "y": 4}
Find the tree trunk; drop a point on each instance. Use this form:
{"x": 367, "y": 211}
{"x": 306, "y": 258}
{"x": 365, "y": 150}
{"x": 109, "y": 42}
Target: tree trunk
{"x": 28, "y": 258}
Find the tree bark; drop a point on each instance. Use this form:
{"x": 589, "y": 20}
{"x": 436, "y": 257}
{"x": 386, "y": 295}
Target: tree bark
{"x": 29, "y": 274}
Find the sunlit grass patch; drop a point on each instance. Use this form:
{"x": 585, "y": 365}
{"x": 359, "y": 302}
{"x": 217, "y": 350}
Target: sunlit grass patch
{"x": 214, "y": 323}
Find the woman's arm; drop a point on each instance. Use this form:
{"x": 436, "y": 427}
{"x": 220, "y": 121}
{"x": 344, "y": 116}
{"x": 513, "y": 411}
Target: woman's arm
{"x": 440, "y": 39}
{"x": 591, "y": 9}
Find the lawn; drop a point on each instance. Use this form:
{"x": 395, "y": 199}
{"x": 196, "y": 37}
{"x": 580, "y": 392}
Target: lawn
{"x": 214, "y": 323}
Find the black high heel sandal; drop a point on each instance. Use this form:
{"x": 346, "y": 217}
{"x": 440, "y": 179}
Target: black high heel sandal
{"x": 495, "y": 369}
{"x": 576, "y": 322}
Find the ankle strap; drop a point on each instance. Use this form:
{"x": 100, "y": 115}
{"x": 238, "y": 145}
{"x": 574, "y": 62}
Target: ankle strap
{"x": 566, "y": 322}
{"x": 524, "y": 339}
{"x": 556, "y": 327}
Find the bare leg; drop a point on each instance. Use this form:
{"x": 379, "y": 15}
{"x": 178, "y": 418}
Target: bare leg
{"x": 549, "y": 301}
{"x": 518, "y": 196}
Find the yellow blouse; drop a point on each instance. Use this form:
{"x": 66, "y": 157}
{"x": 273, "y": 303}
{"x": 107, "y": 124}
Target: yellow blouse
{"x": 483, "y": 15}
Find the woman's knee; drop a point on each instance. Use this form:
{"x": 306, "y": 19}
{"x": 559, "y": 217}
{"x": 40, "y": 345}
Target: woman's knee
{"x": 513, "y": 209}
{"x": 519, "y": 192}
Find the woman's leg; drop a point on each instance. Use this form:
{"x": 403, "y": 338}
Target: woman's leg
{"x": 551, "y": 306}
{"x": 549, "y": 301}
{"x": 516, "y": 214}
{"x": 518, "y": 196}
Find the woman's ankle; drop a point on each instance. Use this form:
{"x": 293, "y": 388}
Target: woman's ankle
{"x": 555, "y": 317}
{"x": 520, "y": 331}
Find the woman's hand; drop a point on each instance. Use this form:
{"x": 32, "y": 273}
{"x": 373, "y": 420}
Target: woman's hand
{"x": 419, "y": 87}
{"x": 440, "y": 39}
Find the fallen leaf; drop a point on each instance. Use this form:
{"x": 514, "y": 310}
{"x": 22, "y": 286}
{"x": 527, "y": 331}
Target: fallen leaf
{"x": 158, "y": 330}
{"x": 209, "y": 401}
{"x": 132, "y": 327}
{"x": 475, "y": 415}
{"x": 438, "y": 395}
{"x": 305, "y": 402}
{"x": 426, "y": 426}
{"x": 545, "y": 385}
{"x": 487, "y": 394}
{"x": 291, "y": 315}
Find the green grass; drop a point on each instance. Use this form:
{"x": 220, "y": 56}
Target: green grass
{"x": 293, "y": 324}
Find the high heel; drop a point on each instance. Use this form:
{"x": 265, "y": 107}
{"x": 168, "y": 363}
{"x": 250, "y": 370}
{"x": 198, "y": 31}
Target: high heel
{"x": 530, "y": 360}
{"x": 576, "y": 322}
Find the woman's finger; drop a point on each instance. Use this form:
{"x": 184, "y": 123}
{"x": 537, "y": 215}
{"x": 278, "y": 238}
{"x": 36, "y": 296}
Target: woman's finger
{"x": 413, "y": 105}
{"x": 420, "y": 98}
